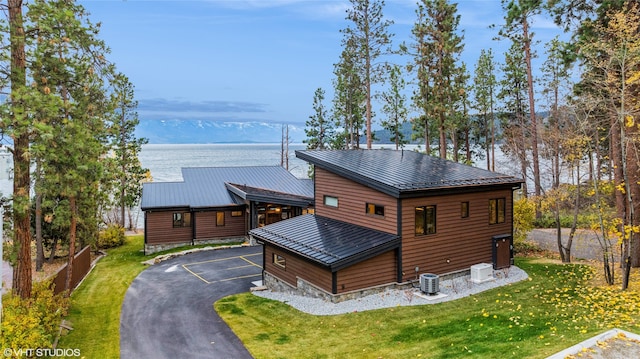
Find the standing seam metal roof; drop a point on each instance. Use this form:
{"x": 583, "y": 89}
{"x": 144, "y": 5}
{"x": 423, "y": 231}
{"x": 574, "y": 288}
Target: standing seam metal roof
{"x": 328, "y": 242}
{"x": 396, "y": 172}
{"x": 205, "y": 187}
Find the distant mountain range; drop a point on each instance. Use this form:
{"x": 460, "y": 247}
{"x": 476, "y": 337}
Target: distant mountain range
{"x": 194, "y": 131}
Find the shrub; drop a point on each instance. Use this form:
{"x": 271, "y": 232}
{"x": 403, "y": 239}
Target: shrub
{"x": 32, "y": 322}
{"x": 112, "y": 236}
{"x": 524, "y": 214}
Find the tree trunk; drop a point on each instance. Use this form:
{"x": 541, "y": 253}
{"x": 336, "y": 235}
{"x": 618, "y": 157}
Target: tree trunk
{"x": 21, "y": 179}
{"x": 443, "y": 137}
{"x": 39, "y": 245}
{"x": 72, "y": 243}
{"x": 52, "y": 255}
{"x": 532, "y": 111}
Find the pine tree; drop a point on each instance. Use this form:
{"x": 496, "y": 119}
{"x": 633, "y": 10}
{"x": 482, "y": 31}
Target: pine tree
{"x": 372, "y": 39}
{"x": 516, "y": 27}
{"x": 484, "y": 90}
{"x": 126, "y": 146}
{"x": 394, "y": 106}
{"x": 318, "y": 127}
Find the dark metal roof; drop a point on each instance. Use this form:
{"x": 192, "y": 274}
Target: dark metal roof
{"x": 267, "y": 195}
{"x": 205, "y": 187}
{"x": 328, "y": 242}
{"x": 399, "y": 173}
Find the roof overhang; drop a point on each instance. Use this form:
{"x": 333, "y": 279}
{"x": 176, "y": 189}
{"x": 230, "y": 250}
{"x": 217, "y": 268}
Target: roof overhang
{"x": 327, "y": 242}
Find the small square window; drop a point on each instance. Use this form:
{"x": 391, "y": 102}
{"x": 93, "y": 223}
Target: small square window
{"x": 279, "y": 261}
{"x": 464, "y": 209}
{"x": 331, "y": 201}
{"x": 374, "y": 209}
{"x": 219, "y": 219}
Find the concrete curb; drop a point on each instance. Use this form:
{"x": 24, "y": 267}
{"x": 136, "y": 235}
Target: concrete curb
{"x": 164, "y": 257}
{"x": 593, "y": 342}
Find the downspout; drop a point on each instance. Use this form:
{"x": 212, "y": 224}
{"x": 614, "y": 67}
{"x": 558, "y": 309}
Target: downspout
{"x": 334, "y": 282}
{"x": 193, "y": 228}
{"x": 144, "y": 249}
{"x": 399, "y": 250}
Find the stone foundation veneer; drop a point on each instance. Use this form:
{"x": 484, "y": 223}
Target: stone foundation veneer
{"x": 154, "y": 248}
{"x": 307, "y": 289}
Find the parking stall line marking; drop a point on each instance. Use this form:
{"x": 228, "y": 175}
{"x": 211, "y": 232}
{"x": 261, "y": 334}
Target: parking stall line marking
{"x": 240, "y": 277}
{"x": 202, "y": 273}
{"x": 250, "y": 262}
{"x": 226, "y": 258}
{"x": 195, "y": 274}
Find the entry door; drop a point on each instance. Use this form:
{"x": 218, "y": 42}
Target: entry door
{"x": 502, "y": 251}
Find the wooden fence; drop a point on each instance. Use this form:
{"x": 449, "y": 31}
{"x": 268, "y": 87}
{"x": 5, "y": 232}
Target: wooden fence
{"x": 81, "y": 266}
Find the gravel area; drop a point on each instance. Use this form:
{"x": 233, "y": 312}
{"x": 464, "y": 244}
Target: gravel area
{"x": 449, "y": 290}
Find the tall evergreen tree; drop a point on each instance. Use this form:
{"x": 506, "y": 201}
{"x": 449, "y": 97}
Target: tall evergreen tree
{"x": 517, "y": 22}
{"x": 73, "y": 137}
{"x": 126, "y": 146}
{"x": 318, "y": 127}
{"x": 19, "y": 128}
{"x": 394, "y": 106}
{"x": 370, "y": 32}
{"x": 349, "y": 99}
{"x": 513, "y": 95}
{"x": 440, "y": 28}
{"x": 484, "y": 91}
{"x": 420, "y": 65}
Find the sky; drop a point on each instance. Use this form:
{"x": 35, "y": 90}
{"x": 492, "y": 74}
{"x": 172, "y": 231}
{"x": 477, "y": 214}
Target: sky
{"x": 256, "y": 60}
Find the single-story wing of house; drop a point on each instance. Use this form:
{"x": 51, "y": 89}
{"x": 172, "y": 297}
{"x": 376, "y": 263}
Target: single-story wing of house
{"x": 220, "y": 204}
{"x": 384, "y": 217}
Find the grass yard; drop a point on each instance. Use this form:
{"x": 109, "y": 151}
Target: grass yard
{"x": 95, "y": 305}
{"x": 558, "y": 307}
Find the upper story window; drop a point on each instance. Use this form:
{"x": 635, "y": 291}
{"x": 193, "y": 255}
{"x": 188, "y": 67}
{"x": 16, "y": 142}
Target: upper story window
{"x": 425, "y": 220}
{"x": 330, "y": 201}
{"x": 374, "y": 209}
{"x": 236, "y": 213}
{"x": 464, "y": 209}
{"x": 181, "y": 219}
{"x": 497, "y": 210}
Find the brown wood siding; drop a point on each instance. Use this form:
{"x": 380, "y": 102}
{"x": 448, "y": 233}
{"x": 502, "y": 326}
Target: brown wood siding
{"x": 159, "y": 229}
{"x": 297, "y": 267}
{"x": 372, "y": 272}
{"x": 206, "y": 225}
{"x": 352, "y": 199}
{"x": 458, "y": 242}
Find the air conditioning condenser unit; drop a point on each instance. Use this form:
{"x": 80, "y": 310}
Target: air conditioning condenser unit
{"x": 430, "y": 283}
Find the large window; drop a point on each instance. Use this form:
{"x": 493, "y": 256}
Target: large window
{"x": 181, "y": 219}
{"x": 426, "y": 220}
{"x": 219, "y": 219}
{"x": 331, "y": 201}
{"x": 374, "y": 209}
{"x": 496, "y": 210}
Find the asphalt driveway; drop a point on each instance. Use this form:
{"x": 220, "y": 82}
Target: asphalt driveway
{"x": 168, "y": 309}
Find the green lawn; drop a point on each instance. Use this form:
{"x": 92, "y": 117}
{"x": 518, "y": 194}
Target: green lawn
{"x": 95, "y": 305}
{"x": 557, "y": 308}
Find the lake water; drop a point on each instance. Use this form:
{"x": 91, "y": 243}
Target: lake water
{"x": 165, "y": 161}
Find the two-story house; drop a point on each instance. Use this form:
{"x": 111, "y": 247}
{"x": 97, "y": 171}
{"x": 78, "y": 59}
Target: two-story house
{"x": 383, "y": 217}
